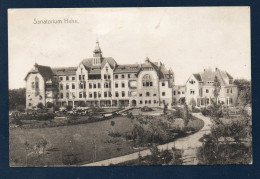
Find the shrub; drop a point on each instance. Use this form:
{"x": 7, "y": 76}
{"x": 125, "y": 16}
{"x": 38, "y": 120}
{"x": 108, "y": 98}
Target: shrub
{"x": 56, "y": 108}
{"x": 205, "y": 112}
{"x": 146, "y": 109}
{"x": 49, "y": 104}
{"x": 195, "y": 110}
{"x": 40, "y": 116}
{"x": 69, "y": 107}
{"x": 114, "y": 134}
{"x": 40, "y": 105}
{"x": 177, "y": 113}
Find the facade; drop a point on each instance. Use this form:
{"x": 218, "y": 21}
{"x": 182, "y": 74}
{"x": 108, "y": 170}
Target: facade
{"x": 179, "y": 93}
{"x": 100, "y": 81}
{"x": 200, "y": 88}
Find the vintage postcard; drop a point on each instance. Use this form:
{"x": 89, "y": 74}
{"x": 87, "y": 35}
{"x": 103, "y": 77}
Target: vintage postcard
{"x": 129, "y": 86}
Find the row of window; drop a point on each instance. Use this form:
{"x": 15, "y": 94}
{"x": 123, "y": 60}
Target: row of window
{"x": 106, "y": 94}
{"x": 229, "y": 90}
{"x": 179, "y": 92}
{"x": 67, "y": 78}
{"x": 148, "y": 102}
{"x": 124, "y": 76}
{"x": 206, "y": 101}
{"x": 122, "y": 85}
{"x": 192, "y": 92}
{"x": 35, "y": 85}
{"x": 82, "y": 77}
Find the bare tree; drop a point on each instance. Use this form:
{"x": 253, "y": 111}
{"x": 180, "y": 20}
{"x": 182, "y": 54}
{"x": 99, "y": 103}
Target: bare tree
{"x": 43, "y": 143}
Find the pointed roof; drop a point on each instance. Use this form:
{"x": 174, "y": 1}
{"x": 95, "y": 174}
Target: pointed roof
{"x": 64, "y": 70}
{"x": 88, "y": 64}
{"x": 97, "y": 49}
{"x": 45, "y": 71}
{"x": 209, "y": 75}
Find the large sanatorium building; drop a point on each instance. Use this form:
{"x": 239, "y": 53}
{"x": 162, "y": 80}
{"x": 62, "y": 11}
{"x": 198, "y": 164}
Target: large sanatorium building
{"x": 100, "y": 81}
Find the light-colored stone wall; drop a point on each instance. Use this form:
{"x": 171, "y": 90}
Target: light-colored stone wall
{"x": 189, "y": 87}
{"x": 35, "y": 95}
{"x": 152, "y": 90}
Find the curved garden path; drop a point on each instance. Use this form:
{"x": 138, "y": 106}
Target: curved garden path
{"x": 188, "y": 144}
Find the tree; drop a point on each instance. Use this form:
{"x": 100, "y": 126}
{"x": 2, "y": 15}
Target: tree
{"x": 112, "y": 124}
{"x": 17, "y": 98}
{"x": 192, "y": 103}
{"x": 186, "y": 115}
{"x": 27, "y": 146}
{"x": 217, "y": 87}
{"x": 165, "y": 108}
{"x": 244, "y": 91}
{"x": 43, "y": 143}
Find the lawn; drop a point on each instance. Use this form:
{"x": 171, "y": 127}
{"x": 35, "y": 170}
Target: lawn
{"x": 79, "y": 144}
{"x": 70, "y": 142}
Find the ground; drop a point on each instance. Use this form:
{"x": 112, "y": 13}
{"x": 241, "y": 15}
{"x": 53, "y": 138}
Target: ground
{"x": 75, "y": 144}
{"x": 74, "y": 139}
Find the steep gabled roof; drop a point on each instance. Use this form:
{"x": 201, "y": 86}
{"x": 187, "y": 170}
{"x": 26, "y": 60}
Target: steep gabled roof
{"x": 45, "y": 71}
{"x": 132, "y": 68}
{"x": 64, "y": 71}
{"x": 88, "y": 62}
{"x": 197, "y": 76}
{"x": 209, "y": 76}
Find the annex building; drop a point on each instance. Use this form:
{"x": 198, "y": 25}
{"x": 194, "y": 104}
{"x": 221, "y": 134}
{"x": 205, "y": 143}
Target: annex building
{"x": 200, "y": 88}
{"x": 100, "y": 81}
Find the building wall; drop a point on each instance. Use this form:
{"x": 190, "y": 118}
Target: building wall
{"x": 135, "y": 93}
{"x": 165, "y": 92}
{"x": 207, "y": 93}
{"x": 143, "y": 99}
{"x": 192, "y": 87}
{"x": 35, "y": 95}
{"x": 178, "y": 93}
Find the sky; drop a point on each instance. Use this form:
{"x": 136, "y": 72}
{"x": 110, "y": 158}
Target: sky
{"x": 186, "y": 39}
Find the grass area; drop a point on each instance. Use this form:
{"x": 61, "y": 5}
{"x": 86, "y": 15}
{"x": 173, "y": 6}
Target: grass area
{"x": 75, "y": 140}
{"x": 75, "y": 144}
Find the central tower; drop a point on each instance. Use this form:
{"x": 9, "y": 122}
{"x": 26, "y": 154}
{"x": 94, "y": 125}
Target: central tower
{"x": 97, "y": 55}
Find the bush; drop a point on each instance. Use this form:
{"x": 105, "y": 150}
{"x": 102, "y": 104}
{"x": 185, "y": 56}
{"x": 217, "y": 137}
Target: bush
{"x": 56, "y": 108}
{"x": 69, "y": 108}
{"x": 177, "y": 113}
{"x": 205, "y": 112}
{"x": 40, "y": 116}
{"x": 195, "y": 110}
{"x": 146, "y": 109}
{"x": 114, "y": 134}
{"x": 40, "y": 105}
{"x": 49, "y": 104}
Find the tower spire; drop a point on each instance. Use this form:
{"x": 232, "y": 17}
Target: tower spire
{"x": 97, "y": 54}
{"x": 97, "y": 51}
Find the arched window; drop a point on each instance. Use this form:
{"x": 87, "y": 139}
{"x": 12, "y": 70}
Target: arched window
{"x": 147, "y": 80}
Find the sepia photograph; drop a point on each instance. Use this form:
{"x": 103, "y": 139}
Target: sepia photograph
{"x": 129, "y": 86}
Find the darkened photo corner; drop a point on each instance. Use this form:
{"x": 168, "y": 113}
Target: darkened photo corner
{"x": 129, "y": 86}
